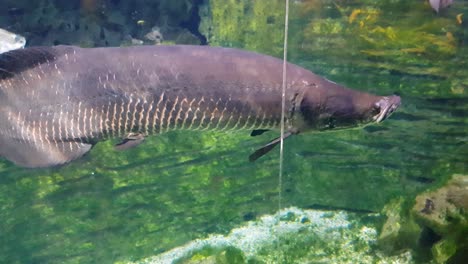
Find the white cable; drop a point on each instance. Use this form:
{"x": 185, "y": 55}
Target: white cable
{"x": 283, "y": 101}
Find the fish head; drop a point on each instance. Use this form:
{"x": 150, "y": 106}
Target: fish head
{"x": 329, "y": 106}
{"x": 384, "y": 107}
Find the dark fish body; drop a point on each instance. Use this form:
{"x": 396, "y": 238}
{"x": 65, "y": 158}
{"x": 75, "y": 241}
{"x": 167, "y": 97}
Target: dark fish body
{"x": 56, "y": 102}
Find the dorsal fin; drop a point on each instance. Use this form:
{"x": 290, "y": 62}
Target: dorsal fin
{"x": 16, "y": 61}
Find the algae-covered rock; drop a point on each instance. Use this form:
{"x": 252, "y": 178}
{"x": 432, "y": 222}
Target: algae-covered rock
{"x": 399, "y": 231}
{"x": 446, "y": 209}
{"x": 437, "y": 224}
{"x": 155, "y": 35}
{"x": 208, "y": 255}
{"x": 445, "y": 212}
{"x": 291, "y": 235}
{"x": 392, "y": 225}
{"x": 443, "y": 250}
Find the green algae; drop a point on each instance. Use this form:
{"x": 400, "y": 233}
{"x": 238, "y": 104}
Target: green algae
{"x": 230, "y": 24}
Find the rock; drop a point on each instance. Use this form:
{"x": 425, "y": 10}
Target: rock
{"x": 154, "y": 35}
{"x": 10, "y": 41}
{"x": 91, "y": 23}
{"x": 230, "y": 255}
{"x": 135, "y": 41}
{"x": 398, "y": 232}
{"x": 175, "y": 35}
{"x": 443, "y": 251}
{"x": 183, "y": 36}
{"x": 291, "y": 235}
{"x": 444, "y": 209}
{"x": 445, "y": 212}
{"x": 391, "y": 228}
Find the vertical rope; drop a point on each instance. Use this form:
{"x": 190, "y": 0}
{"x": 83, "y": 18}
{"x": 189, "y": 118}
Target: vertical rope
{"x": 283, "y": 114}
{"x": 283, "y": 101}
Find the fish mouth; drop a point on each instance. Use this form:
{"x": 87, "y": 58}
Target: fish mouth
{"x": 387, "y": 106}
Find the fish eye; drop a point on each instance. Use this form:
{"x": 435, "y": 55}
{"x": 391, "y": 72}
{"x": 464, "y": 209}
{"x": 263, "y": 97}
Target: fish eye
{"x": 375, "y": 110}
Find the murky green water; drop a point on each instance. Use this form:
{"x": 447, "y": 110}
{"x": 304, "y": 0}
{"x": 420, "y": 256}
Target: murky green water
{"x": 119, "y": 206}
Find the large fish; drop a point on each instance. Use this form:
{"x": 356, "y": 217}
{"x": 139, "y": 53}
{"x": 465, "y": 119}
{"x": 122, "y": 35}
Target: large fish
{"x": 57, "y": 102}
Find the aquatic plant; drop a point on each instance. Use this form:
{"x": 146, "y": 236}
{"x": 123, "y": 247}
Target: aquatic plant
{"x": 253, "y": 25}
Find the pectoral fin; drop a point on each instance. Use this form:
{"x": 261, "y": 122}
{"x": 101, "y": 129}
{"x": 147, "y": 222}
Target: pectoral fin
{"x": 130, "y": 141}
{"x": 265, "y": 149}
{"x": 258, "y": 132}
